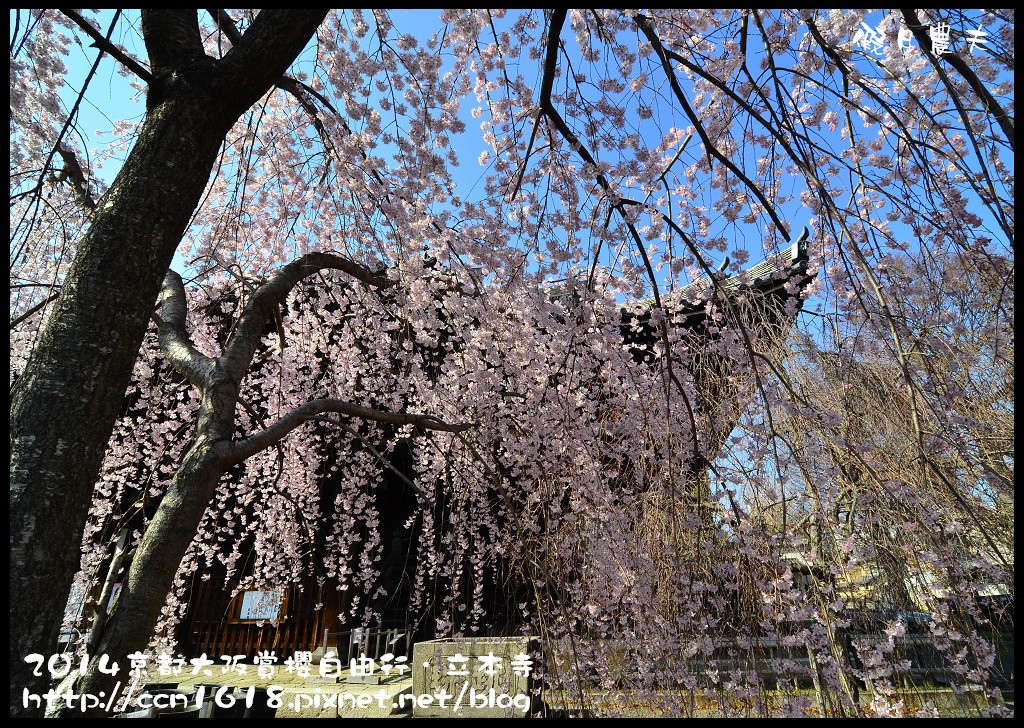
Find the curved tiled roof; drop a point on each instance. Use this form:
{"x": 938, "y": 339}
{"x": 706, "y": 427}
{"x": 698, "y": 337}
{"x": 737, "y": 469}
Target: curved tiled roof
{"x": 772, "y": 279}
{"x": 767, "y": 276}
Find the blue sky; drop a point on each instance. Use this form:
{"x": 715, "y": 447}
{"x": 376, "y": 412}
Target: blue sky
{"x": 111, "y": 97}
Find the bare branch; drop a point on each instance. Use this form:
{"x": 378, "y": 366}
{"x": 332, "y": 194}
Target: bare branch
{"x": 105, "y": 45}
{"x": 248, "y": 447}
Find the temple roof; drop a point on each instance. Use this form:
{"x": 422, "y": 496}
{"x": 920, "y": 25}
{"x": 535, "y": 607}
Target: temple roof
{"x": 775, "y": 280}
{"x": 767, "y": 276}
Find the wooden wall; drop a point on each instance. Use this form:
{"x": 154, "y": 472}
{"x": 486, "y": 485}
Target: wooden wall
{"x": 209, "y": 626}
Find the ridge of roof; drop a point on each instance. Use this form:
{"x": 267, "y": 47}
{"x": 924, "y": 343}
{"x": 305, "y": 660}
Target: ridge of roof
{"x": 767, "y": 276}
{"x": 764, "y": 275}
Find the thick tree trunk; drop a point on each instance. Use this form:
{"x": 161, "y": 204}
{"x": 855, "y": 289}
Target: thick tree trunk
{"x": 129, "y": 624}
{"x": 64, "y": 405}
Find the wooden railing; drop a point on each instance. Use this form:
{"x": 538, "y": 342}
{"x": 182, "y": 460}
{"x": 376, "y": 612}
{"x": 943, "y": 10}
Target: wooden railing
{"x": 365, "y": 642}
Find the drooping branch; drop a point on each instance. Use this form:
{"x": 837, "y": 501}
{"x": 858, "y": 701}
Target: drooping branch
{"x": 305, "y": 94}
{"x": 248, "y": 447}
{"x": 174, "y": 338}
{"x": 917, "y": 147}
{"x": 645, "y": 26}
{"x": 615, "y": 202}
{"x": 1002, "y": 117}
{"x": 549, "y": 110}
{"x": 245, "y": 339}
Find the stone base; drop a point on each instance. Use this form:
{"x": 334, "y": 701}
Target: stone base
{"x": 363, "y": 679}
{"x": 474, "y": 678}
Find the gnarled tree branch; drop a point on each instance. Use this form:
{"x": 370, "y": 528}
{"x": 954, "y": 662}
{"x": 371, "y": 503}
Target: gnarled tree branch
{"x": 174, "y": 338}
{"x": 242, "y": 346}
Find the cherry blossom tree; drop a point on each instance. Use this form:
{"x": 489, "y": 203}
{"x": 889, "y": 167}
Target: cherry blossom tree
{"x": 82, "y": 361}
{"x": 349, "y": 288}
